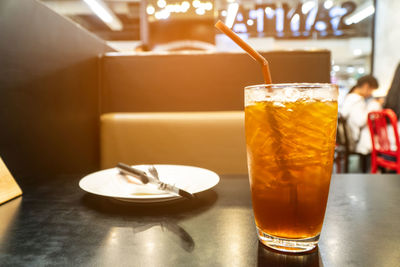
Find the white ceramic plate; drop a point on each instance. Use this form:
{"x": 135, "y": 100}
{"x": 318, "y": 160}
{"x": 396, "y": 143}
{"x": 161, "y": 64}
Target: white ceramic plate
{"x": 110, "y": 183}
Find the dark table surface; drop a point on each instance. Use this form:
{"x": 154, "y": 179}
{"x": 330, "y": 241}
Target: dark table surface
{"x": 55, "y": 223}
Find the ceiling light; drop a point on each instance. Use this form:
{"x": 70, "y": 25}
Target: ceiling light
{"x": 105, "y": 14}
{"x": 307, "y": 6}
{"x": 360, "y": 15}
{"x": 231, "y": 14}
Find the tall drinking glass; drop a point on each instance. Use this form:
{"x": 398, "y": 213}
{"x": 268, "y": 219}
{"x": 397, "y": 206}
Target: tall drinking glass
{"x": 290, "y": 137}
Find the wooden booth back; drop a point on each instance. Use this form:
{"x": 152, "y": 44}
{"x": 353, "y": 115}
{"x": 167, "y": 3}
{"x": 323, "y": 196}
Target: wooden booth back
{"x": 198, "y": 81}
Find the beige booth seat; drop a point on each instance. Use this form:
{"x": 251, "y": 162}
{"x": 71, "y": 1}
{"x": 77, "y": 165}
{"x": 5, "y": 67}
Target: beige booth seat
{"x": 213, "y": 140}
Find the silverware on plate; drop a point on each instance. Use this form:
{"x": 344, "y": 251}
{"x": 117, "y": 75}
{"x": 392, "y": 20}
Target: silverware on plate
{"x": 147, "y": 179}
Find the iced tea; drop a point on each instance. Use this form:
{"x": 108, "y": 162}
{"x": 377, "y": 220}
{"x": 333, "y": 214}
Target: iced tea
{"x": 290, "y": 147}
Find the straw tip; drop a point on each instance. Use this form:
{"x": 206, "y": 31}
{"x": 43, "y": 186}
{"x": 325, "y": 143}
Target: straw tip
{"x": 219, "y": 24}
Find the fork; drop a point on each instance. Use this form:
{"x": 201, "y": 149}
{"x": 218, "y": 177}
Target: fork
{"x": 153, "y": 171}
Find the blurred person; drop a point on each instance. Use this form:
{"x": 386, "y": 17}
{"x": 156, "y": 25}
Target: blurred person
{"x": 356, "y": 106}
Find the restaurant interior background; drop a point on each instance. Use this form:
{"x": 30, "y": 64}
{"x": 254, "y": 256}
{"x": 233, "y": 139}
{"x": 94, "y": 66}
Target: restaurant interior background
{"x": 52, "y": 96}
{"x": 346, "y": 28}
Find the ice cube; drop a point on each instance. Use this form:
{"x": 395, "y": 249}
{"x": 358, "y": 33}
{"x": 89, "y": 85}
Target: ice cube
{"x": 291, "y": 94}
{"x": 278, "y": 104}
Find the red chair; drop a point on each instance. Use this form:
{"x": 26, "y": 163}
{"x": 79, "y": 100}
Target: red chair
{"x": 382, "y": 155}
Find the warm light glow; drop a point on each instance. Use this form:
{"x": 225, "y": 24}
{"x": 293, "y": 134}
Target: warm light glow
{"x": 280, "y": 16}
{"x": 173, "y": 8}
{"x": 163, "y": 14}
{"x": 240, "y": 27}
{"x": 307, "y": 6}
{"x": 158, "y": 15}
{"x": 360, "y": 15}
{"x": 231, "y": 15}
{"x": 200, "y": 11}
{"x": 196, "y": 3}
{"x": 295, "y": 23}
{"x": 260, "y": 20}
{"x": 337, "y": 12}
{"x": 328, "y": 4}
{"x": 208, "y": 6}
{"x": 320, "y": 26}
{"x": 312, "y": 14}
{"x": 269, "y": 12}
{"x": 239, "y": 17}
{"x": 170, "y": 8}
{"x": 185, "y": 5}
{"x": 253, "y": 14}
{"x": 161, "y": 3}
{"x": 250, "y": 22}
{"x": 150, "y": 10}
{"x": 179, "y": 8}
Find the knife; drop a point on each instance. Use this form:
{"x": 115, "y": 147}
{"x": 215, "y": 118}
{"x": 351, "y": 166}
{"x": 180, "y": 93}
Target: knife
{"x": 146, "y": 179}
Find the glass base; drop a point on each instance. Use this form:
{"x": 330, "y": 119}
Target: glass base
{"x": 288, "y": 245}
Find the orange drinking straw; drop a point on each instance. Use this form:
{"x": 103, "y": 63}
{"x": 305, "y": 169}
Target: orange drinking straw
{"x": 246, "y": 47}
